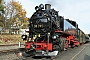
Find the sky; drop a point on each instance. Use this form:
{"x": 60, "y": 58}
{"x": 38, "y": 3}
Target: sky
{"x": 76, "y": 10}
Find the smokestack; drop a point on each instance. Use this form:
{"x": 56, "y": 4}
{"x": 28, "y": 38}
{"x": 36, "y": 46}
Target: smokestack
{"x": 47, "y": 6}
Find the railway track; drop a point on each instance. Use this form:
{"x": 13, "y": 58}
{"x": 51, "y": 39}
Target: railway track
{"x": 10, "y": 45}
{"x": 10, "y": 54}
{"x": 15, "y": 51}
{"x": 11, "y": 51}
{"x": 48, "y": 58}
{"x": 11, "y": 48}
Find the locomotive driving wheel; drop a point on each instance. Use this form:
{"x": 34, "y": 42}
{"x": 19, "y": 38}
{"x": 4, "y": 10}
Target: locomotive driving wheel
{"x": 62, "y": 44}
{"x": 57, "y": 48}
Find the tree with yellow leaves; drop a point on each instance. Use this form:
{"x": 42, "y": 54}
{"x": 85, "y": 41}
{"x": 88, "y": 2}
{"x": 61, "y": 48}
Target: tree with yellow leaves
{"x": 1, "y": 7}
{"x": 2, "y": 13}
{"x": 16, "y": 15}
{"x": 15, "y": 12}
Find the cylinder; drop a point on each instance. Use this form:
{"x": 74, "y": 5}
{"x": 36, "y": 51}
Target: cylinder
{"x": 47, "y": 6}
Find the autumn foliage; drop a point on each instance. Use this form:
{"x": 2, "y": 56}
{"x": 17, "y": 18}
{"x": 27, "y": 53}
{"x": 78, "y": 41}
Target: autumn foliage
{"x": 15, "y": 15}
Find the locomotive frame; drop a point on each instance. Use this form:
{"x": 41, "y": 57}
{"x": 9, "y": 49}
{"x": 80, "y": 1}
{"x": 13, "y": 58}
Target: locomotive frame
{"x": 50, "y": 33}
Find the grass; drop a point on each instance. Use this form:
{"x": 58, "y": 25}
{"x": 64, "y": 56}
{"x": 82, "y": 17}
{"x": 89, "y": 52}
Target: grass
{"x": 10, "y": 39}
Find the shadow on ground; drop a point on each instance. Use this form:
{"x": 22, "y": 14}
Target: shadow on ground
{"x": 87, "y": 57}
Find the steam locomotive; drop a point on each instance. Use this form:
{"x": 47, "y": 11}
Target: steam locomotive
{"x": 50, "y": 33}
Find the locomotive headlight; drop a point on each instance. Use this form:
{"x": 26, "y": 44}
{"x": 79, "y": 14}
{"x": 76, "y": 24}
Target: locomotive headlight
{"x": 23, "y": 37}
{"x": 54, "y": 37}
